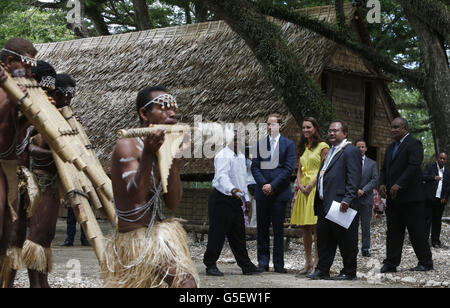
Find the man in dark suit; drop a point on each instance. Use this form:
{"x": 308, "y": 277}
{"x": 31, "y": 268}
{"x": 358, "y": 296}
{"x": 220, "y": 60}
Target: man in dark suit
{"x": 401, "y": 184}
{"x": 338, "y": 180}
{"x": 369, "y": 181}
{"x": 272, "y": 168}
{"x": 437, "y": 189}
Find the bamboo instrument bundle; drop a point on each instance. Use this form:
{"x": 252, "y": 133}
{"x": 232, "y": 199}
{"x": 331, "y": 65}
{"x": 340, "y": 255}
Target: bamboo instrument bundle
{"x": 82, "y": 177}
{"x": 55, "y": 130}
{"x": 71, "y": 182}
{"x": 98, "y": 199}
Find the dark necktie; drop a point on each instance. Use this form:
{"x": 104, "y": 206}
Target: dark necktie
{"x": 397, "y": 144}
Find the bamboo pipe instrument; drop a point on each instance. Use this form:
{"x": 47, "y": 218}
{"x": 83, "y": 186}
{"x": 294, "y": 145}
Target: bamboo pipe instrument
{"x": 146, "y": 131}
{"x": 99, "y": 199}
{"x": 68, "y": 175}
{"x": 51, "y": 124}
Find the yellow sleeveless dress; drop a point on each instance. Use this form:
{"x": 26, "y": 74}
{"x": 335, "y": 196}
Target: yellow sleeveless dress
{"x": 303, "y": 212}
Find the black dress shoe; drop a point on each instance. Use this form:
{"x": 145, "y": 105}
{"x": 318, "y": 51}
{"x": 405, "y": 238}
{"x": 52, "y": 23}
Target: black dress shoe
{"x": 388, "y": 269}
{"x": 252, "y": 271}
{"x": 436, "y": 245}
{"x": 421, "y": 268}
{"x": 318, "y": 274}
{"x": 66, "y": 244}
{"x": 280, "y": 270}
{"x": 344, "y": 277}
{"x": 85, "y": 244}
{"x": 366, "y": 254}
{"x": 213, "y": 271}
{"x": 263, "y": 268}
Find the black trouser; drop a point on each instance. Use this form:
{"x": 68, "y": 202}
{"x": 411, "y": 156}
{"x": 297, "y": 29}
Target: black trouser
{"x": 433, "y": 212}
{"x": 270, "y": 212}
{"x": 329, "y": 237}
{"x": 226, "y": 218}
{"x": 399, "y": 217}
{"x": 72, "y": 227}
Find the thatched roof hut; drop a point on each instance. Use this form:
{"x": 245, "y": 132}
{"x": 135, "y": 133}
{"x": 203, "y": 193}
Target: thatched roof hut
{"x": 213, "y": 73}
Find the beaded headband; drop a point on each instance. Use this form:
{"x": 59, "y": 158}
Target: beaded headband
{"x": 48, "y": 82}
{"x": 24, "y": 59}
{"x": 165, "y": 100}
{"x": 66, "y": 90}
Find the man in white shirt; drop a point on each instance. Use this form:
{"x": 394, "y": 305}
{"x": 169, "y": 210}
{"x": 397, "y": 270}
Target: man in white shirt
{"x": 226, "y": 217}
{"x": 437, "y": 189}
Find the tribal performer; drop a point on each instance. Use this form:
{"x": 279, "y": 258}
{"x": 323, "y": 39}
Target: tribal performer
{"x": 147, "y": 251}
{"x": 17, "y": 56}
{"x": 37, "y": 254}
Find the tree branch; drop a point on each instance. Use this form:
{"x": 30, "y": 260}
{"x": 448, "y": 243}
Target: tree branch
{"x": 340, "y": 15}
{"x": 142, "y": 16}
{"x": 95, "y": 15}
{"x": 332, "y": 32}
{"x": 280, "y": 64}
{"x": 431, "y": 12}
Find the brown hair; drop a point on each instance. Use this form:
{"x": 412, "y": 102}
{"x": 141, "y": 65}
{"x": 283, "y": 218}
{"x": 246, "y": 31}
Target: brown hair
{"x": 276, "y": 115}
{"x": 316, "y": 139}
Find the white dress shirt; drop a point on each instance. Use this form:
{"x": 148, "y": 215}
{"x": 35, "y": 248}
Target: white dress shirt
{"x": 328, "y": 160}
{"x": 250, "y": 178}
{"x": 230, "y": 171}
{"x": 439, "y": 188}
{"x": 273, "y": 143}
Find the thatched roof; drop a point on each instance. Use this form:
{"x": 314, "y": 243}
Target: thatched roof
{"x": 206, "y": 66}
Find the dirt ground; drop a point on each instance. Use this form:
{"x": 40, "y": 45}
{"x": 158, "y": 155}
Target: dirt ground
{"x": 67, "y": 261}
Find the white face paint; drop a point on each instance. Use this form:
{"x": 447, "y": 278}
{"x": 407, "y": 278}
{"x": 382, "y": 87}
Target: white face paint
{"x": 127, "y": 173}
{"x": 126, "y": 160}
{"x": 19, "y": 72}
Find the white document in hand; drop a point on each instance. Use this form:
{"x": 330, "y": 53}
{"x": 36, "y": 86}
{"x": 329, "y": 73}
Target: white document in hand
{"x": 342, "y": 219}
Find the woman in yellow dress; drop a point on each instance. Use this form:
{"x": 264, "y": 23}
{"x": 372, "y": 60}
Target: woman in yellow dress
{"x": 312, "y": 152}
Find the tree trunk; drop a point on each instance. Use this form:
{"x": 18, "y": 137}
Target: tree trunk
{"x": 187, "y": 13}
{"x": 281, "y": 66}
{"x": 437, "y": 84}
{"x": 95, "y": 15}
{"x": 201, "y": 11}
{"x": 142, "y": 17}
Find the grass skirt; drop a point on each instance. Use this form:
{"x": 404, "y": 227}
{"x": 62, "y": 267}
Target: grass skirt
{"x": 5, "y": 268}
{"x": 165, "y": 253}
{"x": 15, "y": 256}
{"x": 36, "y": 257}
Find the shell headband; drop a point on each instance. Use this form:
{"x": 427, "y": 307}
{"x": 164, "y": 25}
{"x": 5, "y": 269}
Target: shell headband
{"x": 165, "y": 100}
{"x": 24, "y": 59}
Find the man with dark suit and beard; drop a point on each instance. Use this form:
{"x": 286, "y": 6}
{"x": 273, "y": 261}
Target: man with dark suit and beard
{"x": 401, "y": 184}
{"x": 338, "y": 180}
